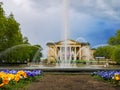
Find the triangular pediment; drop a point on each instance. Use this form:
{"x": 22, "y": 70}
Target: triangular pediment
{"x": 69, "y": 42}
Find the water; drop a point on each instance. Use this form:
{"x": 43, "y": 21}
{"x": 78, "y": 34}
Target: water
{"x": 36, "y": 55}
{"x": 14, "y": 47}
{"x": 65, "y": 22}
{"x": 73, "y": 66}
{"x": 65, "y": 61}
{"x": 57, "y": 66}
{"x": 81, "y": 39}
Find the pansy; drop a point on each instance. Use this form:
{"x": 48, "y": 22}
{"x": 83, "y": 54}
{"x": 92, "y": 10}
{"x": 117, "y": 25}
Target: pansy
{"x": 117, "y": 76}
{"x": 110, "y": 74}
{"x": 7, "y": 75}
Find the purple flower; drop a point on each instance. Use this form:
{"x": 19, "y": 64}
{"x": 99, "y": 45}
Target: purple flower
{"x": 106, "y": 74}
{"x": 6, "y": 71}
{"x": 13, "y": 71}
{"x": 33, "y": 73}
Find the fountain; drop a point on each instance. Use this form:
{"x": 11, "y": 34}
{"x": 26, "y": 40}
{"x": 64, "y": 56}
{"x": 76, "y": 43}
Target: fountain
{"x": 65, "y": 64}
{"x": 64, "y": 52}
{"x": 11, "y": 48}
{"x": 15, "y": 49}
{"x": 81, "y": 39}
{"x": 65, "y": 12}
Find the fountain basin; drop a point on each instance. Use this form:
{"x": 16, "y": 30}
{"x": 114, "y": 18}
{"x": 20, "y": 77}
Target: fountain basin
{"x": 57, "y": 69}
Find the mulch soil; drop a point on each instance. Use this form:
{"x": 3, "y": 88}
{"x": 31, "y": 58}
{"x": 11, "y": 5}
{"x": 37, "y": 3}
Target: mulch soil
{"x": 70, "y": 82}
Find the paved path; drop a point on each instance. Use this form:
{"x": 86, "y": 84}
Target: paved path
{"x": 70, "y": 82}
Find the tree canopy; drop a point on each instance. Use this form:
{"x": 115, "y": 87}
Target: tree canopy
{"x": 10, "y": 33}
{"x": 11, "y": 36}
{"x": 116, "y": 54}
{"x": 115, "y": 40}
{"x": 104, "y": 51}
{"x": 113, "y": 50}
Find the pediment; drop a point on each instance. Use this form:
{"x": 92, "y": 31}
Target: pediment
{"x": 69, "y": 42}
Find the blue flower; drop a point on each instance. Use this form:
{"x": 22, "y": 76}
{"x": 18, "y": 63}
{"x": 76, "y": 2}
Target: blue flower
{"x": 13, "y": 71}
{"x": 33, "y": 73}
{"x": 106, "y": 74}
{"x": 6, "y": 71}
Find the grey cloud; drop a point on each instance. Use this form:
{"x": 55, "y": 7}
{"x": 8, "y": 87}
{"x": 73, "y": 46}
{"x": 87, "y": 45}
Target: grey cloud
{"x": 108, "y": 9}
{"x": 44, "y": 4}
{"x": 40, "y": 13}
{"x": 41, "y": 20}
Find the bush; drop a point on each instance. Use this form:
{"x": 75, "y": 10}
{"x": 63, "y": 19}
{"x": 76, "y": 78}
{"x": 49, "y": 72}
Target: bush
{"x": 81, "y": 61}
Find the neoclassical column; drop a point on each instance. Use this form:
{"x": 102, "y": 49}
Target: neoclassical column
{"x": 60, "y": 52}
{"x": 80, "y": 53}
{"x": 56, "y": 50}
{"x": 70, "y": 53}
{"x": 75, "y": 53}
{"x": 48, "y": 50}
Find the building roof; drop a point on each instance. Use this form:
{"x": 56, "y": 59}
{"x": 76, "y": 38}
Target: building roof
{"x": 69, "y": 41}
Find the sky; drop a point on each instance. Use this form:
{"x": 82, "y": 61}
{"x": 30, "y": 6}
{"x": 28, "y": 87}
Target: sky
{"x": 42, "y": 21}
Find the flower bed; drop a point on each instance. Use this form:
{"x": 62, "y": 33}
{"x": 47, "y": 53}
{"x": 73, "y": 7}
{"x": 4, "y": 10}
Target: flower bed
{"x": 111, "y": 76}
{"x": 10, "y": 78}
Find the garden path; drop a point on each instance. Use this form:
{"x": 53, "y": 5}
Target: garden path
{"x": 70, "y": 82}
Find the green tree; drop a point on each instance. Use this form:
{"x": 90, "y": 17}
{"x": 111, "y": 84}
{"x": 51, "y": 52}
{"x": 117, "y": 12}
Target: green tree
{"x": 10, "y": 36}
{"x": 3, "y": 23}
{"x": 116, "y": 54}
{"x": 115, "y": 40}
{"x": 104, "y": 51}
{"x": 25, "y": 40}
{"x": 35, "y": 54}
{"x": 13, "y": 33}
{"x": 22, "y": 54}
{"x": 10, "y": 33}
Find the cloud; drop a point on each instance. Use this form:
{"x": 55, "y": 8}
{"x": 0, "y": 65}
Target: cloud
{"x": 36, "y": 24}
{"x": 42, "y": 20}
{"x": 45, "y": 4}
{"x": 107, "y": 9}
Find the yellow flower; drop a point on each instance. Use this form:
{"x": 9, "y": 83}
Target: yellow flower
{"x": 11, "y": 76}
{"x": 117, "y": 77}
{"x": 17, "y": 77}
{"x": 25, "y": 75}
{"x": 6, "y": 80}
{"x": 2, "y": 74}
{"x": 22, "y": 73}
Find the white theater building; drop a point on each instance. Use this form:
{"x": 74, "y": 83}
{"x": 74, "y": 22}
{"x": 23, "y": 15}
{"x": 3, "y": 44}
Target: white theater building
{"x": 74, "y": 50}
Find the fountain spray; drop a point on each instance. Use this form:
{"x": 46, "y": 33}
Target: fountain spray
{"x": 65, "y": 19}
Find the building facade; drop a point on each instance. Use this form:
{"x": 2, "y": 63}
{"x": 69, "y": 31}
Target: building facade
{"x": 74, "y": 50}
